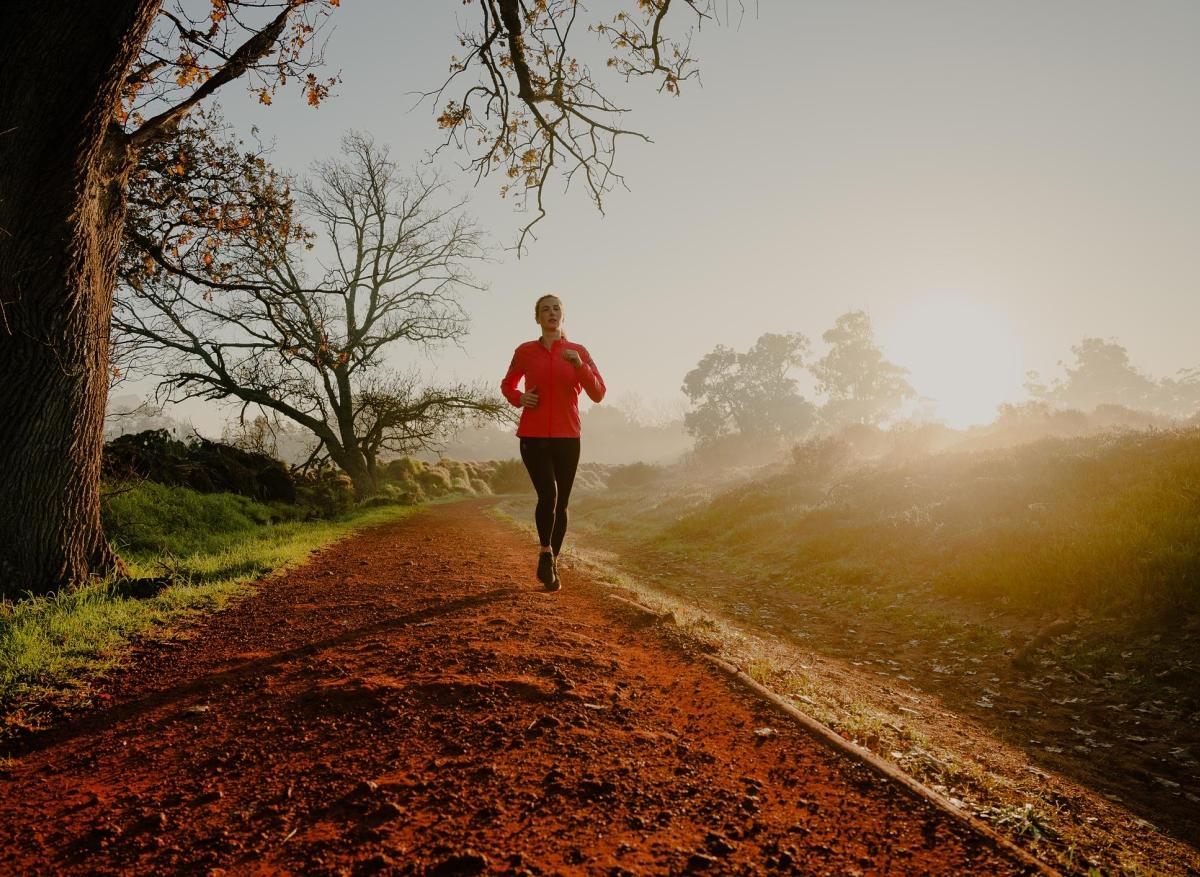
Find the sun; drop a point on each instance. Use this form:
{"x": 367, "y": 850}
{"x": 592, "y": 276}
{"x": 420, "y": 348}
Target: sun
{"x": 964, "y": 356}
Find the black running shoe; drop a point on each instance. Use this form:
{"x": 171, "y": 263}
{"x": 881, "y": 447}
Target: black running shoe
{"x": 545, "y": 570}
{"x": 557, "y": 580}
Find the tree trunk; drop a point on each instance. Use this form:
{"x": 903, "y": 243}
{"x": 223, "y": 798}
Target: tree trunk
{"x": 351, "y": 460}
{"x": 63, "y": 167}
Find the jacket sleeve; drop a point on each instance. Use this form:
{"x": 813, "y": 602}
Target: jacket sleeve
{"x": 589, "y": 376}
{"x": 508, "y": 386}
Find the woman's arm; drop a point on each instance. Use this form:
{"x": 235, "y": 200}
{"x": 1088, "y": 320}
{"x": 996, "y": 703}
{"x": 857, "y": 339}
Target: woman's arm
{"x": 508, "y": 386}
{"x": 589, "y": 376}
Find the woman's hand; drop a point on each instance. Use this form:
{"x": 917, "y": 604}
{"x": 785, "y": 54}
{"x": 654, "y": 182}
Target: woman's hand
{"x": 529, "y": 399}
{"x": 572, "y": 356}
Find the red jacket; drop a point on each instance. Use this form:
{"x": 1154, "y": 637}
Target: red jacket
{"x": 557, "y": 383}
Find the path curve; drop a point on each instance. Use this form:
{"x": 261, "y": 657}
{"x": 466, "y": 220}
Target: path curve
{"x": 411, "y": 702}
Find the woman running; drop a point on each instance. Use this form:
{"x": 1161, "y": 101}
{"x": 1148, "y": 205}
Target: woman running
{"x": 554, "y": 370}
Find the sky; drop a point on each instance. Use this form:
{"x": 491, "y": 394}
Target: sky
{"x": 991, "y": 182}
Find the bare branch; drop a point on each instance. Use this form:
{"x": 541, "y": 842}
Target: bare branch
{"x": 559, "y": 118}
{"x": 312, "y": 349}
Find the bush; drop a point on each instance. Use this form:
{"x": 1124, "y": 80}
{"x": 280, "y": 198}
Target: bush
{"x": 435, "y": 481}
{"x": 209, "y": 467}
{"x": 819, "y": 458}
{"x": 403, "y": 469}
{"x": 327, "y": 492}
{"x": 509, "y": 476}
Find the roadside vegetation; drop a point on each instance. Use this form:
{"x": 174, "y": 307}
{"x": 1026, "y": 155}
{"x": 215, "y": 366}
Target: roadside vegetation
{"x": 188, "y": 554}
{"x": 1046, "y": 593}
{"x": 196, "y": 523}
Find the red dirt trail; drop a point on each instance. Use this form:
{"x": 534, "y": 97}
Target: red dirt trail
{"x": 411, "y": 702}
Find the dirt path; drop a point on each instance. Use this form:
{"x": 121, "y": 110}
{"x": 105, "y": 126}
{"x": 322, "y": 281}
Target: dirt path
{"x": 411, "y": 702}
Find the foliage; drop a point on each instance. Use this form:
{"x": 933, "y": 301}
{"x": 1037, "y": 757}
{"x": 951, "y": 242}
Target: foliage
{"x": 150, "y": 518}
{"x": 402, "y": 469}
{"x": 751, "y": 393}
{"x": 436, "y": 481}
{"x": 1103, "y": 375}
{"x": 325, "y": 490}
{"x": 510, "y": 476}
{"x": 196, "y": 47}
{"x": 201, "y": 464}
{"x": 198, "y": 206}
{"x": 860, "y": 385}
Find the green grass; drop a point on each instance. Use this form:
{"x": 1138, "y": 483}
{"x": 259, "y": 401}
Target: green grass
{"x": 1107, "y": 523}
{"x": 210, "y": 547}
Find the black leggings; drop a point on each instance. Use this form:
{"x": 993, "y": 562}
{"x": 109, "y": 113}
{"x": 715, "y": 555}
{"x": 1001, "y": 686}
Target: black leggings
{"x": 551, "y": 463}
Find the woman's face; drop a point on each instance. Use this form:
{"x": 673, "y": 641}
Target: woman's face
{"x": 550, "y": 314}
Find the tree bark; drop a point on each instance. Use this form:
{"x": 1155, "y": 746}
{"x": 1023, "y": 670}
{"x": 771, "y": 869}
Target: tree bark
{"x": 63, "y": 168}
{"x": 352, "y": 461}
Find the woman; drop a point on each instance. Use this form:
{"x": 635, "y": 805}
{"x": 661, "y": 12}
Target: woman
{"x": 554, "y": 370}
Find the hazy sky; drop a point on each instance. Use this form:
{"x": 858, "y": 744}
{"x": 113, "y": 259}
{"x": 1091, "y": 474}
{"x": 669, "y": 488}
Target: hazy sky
{"x": 989, "y": 181}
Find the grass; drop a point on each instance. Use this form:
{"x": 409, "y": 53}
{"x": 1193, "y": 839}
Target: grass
{"x": 1108, "y": 523}
{"x": 208, "y": 546}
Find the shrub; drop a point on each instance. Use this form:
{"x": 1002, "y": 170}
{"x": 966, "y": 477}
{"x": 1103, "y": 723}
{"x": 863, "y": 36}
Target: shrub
{"x": 435, "y": 481}
{"x": 509, "y": 476}
{"x": 403, "y": 469}
{"x": 209, "y": 467}
{"x": 327, "y": 492}
{"x": 152, "y": 517}
{"x": 819, "y": 458}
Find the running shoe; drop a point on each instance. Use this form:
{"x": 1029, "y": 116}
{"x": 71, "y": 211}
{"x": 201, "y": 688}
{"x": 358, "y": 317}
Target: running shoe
{"x": 545, "y": 571}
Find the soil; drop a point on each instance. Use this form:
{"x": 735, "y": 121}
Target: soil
{"x": 411, "y": 701}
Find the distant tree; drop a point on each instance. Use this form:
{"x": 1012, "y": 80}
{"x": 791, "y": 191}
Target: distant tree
{"x": 752, "y": 393}
{"x": 1101, "y": 374}
{"x": 1180, "y": 395}
{"x": 310, "y": 346}
{"x": 860, "y": 385}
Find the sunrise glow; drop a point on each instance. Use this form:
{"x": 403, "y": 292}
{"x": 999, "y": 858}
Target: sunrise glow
{"x": 964, "y": 357}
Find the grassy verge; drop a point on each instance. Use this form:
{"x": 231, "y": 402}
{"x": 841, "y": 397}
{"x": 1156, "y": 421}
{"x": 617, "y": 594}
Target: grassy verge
{"x": 206, "y": 547}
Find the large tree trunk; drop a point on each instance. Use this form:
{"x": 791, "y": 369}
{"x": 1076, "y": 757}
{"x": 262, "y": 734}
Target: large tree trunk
{"x": 63, "y": 168}
{"x": 361, "y": 472}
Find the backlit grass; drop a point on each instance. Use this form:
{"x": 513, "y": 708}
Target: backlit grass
{"x": 1107, "y": 523}
{"x": 209, "y": 547}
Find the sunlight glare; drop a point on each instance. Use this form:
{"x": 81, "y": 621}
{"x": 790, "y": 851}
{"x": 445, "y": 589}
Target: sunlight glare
{"x": 964, "y": 356}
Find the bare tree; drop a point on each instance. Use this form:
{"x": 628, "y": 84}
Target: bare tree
{"x": 309, "y": 343}
{"x": 120, "y": 77}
